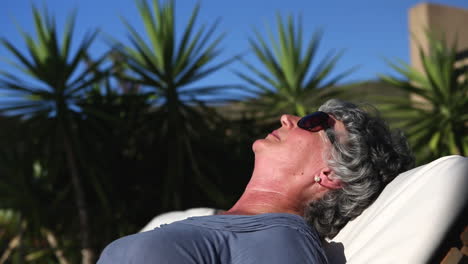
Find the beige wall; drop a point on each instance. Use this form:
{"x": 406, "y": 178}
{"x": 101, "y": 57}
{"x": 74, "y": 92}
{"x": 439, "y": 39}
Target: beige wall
{"x": 450, "y": 21}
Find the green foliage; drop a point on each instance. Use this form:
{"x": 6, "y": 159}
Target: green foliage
{"x": 33, "y": 196}
{"x": 170, "y": 65}
{"x": 54, "y": 73}
{"x": 52, "y": 79}
{"x": 289, "y": 82}
{"x": 435, "y": 117}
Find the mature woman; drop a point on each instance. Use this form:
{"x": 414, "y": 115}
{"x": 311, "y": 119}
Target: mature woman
{"x": 311, "y": 176}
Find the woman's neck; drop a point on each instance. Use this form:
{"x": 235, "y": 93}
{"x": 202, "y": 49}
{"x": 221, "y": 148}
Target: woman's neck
{"x": 260, "y": 201}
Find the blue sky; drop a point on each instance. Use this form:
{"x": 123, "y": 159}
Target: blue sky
{"x": 367, "y": 30}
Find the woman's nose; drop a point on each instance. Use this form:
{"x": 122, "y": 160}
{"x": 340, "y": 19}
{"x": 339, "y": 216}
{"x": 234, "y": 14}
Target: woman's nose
{"x": 288, "y": 121}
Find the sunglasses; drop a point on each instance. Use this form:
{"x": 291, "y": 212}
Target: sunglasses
{"x": 315, "y": 122}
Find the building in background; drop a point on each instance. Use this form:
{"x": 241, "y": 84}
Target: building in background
{"x": 450, "y": 22}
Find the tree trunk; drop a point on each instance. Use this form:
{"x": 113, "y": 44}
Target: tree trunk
{"x": 458, "y": 133}
{"x": 174, "y": 179}
{"x": 87, "y": 252}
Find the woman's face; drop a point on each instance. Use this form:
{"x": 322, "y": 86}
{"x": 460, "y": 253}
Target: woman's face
{"x": 292, "y": 146}
{"x": 293, "y": 152}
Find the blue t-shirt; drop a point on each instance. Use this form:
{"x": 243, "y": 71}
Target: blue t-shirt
{"x": 234, "y": 239}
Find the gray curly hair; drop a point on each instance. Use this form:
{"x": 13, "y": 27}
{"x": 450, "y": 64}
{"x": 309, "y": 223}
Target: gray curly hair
{"x": 365, "y": 162}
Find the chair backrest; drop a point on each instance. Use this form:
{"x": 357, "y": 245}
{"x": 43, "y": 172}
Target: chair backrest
{"x": 410, "y": 217}
{"x": 169, "y": 217}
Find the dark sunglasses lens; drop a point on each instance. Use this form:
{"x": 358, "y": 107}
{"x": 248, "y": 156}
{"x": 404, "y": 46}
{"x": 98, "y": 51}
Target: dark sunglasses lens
{"x": 314, "y": 122}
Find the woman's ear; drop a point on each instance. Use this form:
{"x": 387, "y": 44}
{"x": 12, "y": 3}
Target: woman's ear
{"x": 328, "y": 180}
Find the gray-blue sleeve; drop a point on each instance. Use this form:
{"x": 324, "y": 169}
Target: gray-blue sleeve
{"x": 174, "y": 244}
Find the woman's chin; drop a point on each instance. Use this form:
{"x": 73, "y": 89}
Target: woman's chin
{"x": 258, "y": 145}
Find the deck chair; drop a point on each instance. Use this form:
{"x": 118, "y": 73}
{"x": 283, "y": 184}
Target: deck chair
{"x": 410, "y": 218}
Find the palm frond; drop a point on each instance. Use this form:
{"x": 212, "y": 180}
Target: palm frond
{"x": 430, "y": 120}
{"x": 288, "y": 72}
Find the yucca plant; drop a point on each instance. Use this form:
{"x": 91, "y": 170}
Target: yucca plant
{"x": 289, "y": 79}
{"x": 435, "y": 117}
{"x": 170, "y": 65}
{"x": 44, "y": 89}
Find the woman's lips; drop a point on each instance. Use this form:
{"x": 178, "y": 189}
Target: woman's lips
{"x": 275, "y": 135}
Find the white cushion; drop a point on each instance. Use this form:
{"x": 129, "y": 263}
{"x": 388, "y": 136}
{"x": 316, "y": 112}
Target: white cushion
{"x": 173, "y": 216}
{"x": 409, "y": 219}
